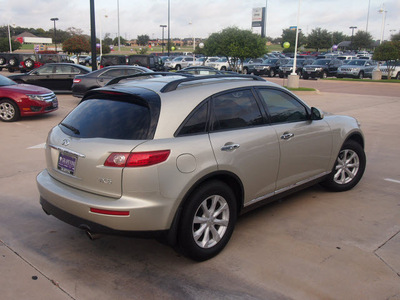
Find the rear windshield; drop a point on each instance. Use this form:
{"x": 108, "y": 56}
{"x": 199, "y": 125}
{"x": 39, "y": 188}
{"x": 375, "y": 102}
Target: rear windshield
{"x": 110, "y": 119}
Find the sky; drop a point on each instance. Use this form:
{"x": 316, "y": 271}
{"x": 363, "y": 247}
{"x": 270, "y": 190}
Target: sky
{"x": 200, "y": 18}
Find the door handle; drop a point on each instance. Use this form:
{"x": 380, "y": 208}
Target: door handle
{"x": 230, "y": 147}
{"x": 287, "y": 136}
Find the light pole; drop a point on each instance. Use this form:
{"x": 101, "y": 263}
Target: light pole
{"x": 119, "y": 37}
{"x": 383, "y": 12}
{"x": 101, "y": 35}
{"x": 169, "y": 25}
{"x": 55, "y": 34}
{"x": 293, "y": 79}
{"x": 9, "y": 38}
{"x": 162, "y": 40}
{"x": 352, "y": 34}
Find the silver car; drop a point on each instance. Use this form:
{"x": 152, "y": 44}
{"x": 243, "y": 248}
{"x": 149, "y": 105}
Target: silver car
{"x": 180, "y": 158}
{"x": 356, "y": 68}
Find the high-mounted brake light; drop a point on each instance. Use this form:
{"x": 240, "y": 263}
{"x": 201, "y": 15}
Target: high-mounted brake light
{"x": 136, "y": 159}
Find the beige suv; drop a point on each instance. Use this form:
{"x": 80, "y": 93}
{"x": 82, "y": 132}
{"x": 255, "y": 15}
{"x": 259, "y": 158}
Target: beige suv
{"x": 180, "y": 158}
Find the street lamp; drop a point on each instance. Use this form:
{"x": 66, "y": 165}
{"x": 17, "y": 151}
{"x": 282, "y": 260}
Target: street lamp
{"x": 352, "y": 33}
{"x": 162, "y": 43}
{"x": 9, "y": 38}
{"x": 383, "y": 12}
{"x": 55, "y": 34}
{"x": 293, "y": 79}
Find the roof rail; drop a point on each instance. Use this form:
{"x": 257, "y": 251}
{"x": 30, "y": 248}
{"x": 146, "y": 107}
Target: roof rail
{"x": 173, "y": 85}
{"x": 118, "y": 79}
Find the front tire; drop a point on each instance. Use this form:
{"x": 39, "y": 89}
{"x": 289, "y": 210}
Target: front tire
{"x": 348, "y": 169}
{"x": 9, "y": 111}
{"x": 208, "y": 220}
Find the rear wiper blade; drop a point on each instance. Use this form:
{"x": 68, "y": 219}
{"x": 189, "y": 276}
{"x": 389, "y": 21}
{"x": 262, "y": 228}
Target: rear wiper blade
{"x": 72, "y": 128}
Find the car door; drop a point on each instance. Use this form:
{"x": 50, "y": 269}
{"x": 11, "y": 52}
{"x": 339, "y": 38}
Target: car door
{"x": 63, "y": 77}
{"x": 305, "y": 144}
{"x": 42, "y": 76}
{"x": 243, "y": 143}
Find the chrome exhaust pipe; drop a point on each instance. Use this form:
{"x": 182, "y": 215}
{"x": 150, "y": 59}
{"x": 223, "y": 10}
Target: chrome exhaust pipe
{"x": 92, "y": 236}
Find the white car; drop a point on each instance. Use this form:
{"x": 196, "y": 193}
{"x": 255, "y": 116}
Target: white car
{"x": 178, "y": 63}
{"x": 395, "y": 71}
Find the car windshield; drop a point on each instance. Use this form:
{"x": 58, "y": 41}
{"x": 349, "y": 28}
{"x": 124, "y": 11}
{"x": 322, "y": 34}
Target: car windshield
{"x": 222, "y": 60}
{"x": 320, "y": 62}
{"x": 4, "y": 81}
{"x": 357, "y": 62}
{"x": 179, "y": 58}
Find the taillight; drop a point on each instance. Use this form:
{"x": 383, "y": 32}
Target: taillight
{"x": 136, "y": 159}
{"x": 77, "y": 80}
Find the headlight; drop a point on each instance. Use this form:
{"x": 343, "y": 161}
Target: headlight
{"x": 36, "y": 97}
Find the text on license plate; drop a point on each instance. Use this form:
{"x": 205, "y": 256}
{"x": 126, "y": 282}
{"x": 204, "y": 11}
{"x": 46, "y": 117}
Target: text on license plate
{"x": 66, "y": 163}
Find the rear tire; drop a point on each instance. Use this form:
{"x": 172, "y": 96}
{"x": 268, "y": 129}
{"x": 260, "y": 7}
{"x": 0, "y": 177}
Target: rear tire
{"x": 29, "y": 63}
{"x": 208, "y": 220}
{"x": 348, "y": 169}
{"x": 9, "y": 111}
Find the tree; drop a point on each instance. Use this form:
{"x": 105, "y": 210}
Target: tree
{"x": 395, "y": 37}
{"x": 319, "y": 39}
{"x": 289, "y": 35}
{"x": 143, "y": 40}
{"x": 77, "y": 44}
{"x": 338, "y": 37}
{"x": 362, "y": 40}
{"x": 388, "y": 52}
{"x": 121, "y": 40}
{"x": 5, "y": 45}
{"x": 235, "y": 44}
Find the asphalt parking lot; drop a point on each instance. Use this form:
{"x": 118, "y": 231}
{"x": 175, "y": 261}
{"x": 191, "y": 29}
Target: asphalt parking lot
{"x": 312, "y": 245}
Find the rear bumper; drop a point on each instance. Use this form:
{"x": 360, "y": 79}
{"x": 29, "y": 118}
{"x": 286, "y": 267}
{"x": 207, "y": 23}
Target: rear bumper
{"x": 76, "y": 207}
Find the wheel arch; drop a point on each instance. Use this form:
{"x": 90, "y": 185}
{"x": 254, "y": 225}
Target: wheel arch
{"x": 227, "y": 177}
{"x": 356, "y": 137}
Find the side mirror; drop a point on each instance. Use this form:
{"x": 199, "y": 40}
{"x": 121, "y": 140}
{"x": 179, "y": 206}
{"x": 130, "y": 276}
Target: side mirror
{"x": 316, "y": 114}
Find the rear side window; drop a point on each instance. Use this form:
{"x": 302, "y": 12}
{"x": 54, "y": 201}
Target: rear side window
{"x": 109, "y": 119}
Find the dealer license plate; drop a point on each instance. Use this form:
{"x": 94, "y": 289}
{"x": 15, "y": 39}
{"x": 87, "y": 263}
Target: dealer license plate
{"x": 66, "y": 163}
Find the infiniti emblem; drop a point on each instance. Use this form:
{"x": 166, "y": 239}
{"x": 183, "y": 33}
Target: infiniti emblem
{"x": 65, "y": 142}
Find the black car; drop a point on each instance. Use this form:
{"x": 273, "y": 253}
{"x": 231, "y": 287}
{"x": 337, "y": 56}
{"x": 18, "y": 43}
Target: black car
{"x": 112, "y": 60}
{"x": 152, "y": 62}
{"x": 322, "y": 68}
{"x": 57, "y": 77}
{"x": 286, "y": 69}
{"x": 269, "y": 67}
{"x": 83, "y": 83}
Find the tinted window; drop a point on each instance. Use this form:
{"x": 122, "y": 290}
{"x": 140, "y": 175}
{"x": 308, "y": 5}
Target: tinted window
{"x": 282, "y": 107}
{"x": 196, "y": 122}
{"x": 113, "y": 73}
{"x": 45, "y": 70}
{"x": 108, "y": 119}
{"x": 236, "y": 109}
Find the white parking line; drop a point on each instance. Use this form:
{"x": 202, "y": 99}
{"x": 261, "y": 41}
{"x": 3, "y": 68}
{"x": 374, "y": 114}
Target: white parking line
{"x": 392, "y": 180}
{"x": 40, "y": 146}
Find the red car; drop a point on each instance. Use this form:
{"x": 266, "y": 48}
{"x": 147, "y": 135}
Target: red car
{"x": 20, "y": 100}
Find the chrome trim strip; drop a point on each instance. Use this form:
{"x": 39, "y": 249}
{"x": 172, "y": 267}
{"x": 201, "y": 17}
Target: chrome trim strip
{"x": 285, "y": 189}
{"x": 67, "y": 151}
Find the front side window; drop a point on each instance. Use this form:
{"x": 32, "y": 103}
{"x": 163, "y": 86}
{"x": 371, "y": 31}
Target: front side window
{"x": 236, "y": 109}
{"x": 45, "y": 70}
{"x": 281, "y": 107}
